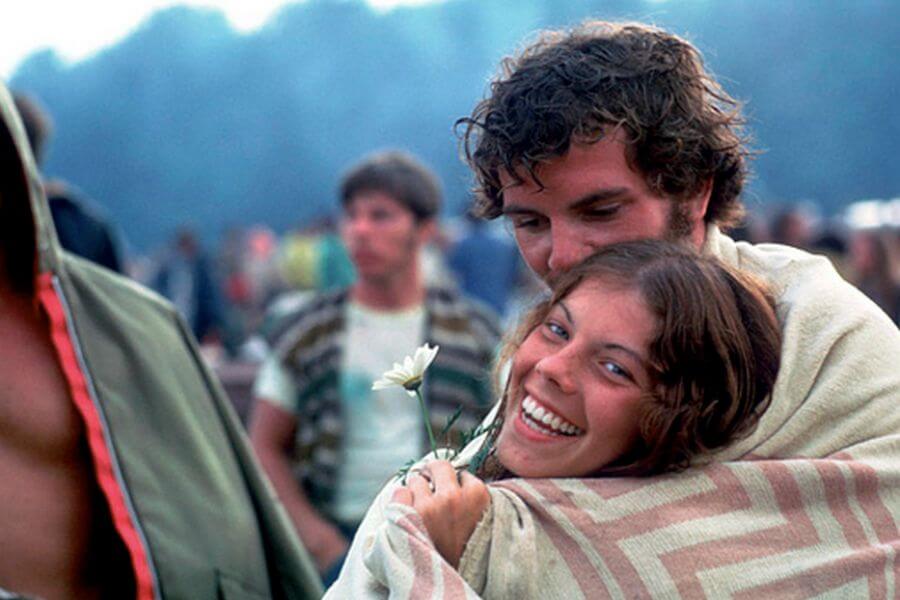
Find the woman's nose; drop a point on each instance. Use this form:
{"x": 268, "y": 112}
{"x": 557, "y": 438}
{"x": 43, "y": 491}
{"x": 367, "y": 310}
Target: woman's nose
{"x": 557, "y": 368}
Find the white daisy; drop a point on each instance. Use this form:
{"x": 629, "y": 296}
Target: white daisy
{"x": 409, "y": 375}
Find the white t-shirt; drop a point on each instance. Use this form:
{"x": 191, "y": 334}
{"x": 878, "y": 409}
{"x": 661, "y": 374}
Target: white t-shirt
{"x": 382, "y": 429}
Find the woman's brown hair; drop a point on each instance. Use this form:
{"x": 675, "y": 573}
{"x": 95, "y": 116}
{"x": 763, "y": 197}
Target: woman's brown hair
{"x": 713, "y": 359}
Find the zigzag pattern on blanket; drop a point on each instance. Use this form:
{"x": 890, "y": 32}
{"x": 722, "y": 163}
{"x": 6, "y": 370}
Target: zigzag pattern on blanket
{"x": 425, "y": 562}
{"x": 417, "y": 570}
{"x": 766, "y": 528}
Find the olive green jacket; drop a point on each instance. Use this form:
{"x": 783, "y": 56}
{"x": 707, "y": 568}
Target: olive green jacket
{"x": 196, "y": 515}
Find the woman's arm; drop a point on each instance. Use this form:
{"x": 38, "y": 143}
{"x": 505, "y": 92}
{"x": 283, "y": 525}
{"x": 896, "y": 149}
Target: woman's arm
{"x": 450, "y": 503}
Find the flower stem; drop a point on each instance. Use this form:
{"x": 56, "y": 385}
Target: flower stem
{"x": 427, "y": 422}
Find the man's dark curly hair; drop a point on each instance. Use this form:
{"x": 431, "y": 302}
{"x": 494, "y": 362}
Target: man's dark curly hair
{"x": 683, "y": 130}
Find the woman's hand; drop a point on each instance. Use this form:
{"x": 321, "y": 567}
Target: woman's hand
{"x": 450, "y": 504}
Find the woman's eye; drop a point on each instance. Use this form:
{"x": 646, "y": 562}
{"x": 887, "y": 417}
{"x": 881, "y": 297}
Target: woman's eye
{"x": 616, "y": 370}
{"x": 557, "y": 330}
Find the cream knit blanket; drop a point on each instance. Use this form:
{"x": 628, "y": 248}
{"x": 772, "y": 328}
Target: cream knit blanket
{"x": 807, "y": 506}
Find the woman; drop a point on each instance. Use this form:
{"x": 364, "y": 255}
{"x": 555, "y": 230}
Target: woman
{"x": 646, "y": 357}
{"x": 801, "y": 504}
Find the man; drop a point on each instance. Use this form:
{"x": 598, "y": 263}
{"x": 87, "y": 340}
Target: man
{"x": 314, "y": 394}
{"x": 124, "y": 470}
{"x": 185, "y": 277}
{"x": 80, "y": 228}
{"x": 616, "y": 132}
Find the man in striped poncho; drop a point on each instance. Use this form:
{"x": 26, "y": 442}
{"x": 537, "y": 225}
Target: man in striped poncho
{"x": 327, "y": 440}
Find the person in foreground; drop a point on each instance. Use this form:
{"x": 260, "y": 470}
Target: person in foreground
{"x": 622, "y": 372}
{"x": 612, "y": 132}
{"x": 124, "y": 470}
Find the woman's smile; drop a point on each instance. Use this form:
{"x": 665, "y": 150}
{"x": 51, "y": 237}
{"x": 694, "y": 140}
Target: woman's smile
{"x": 542, "y": 419}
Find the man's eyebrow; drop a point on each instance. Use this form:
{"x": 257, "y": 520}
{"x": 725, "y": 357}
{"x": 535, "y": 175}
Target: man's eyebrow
{"x": 599, "y": 196}
{"x": 581, "y": 203}
{"x": 517, "y": 210}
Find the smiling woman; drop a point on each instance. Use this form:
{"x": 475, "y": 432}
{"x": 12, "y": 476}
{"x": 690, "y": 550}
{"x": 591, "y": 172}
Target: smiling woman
{"x": 578, "y": 379}
{"x": 646, "y": 357}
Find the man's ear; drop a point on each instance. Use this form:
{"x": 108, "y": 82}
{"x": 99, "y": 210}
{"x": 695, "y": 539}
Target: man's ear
{"x": 426, "y": 231}
{"x": 699, "y": 203}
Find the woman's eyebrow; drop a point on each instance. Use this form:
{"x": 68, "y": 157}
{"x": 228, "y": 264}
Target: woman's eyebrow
{"x": 565, "y": 309}
{"x": 633, "y": 353}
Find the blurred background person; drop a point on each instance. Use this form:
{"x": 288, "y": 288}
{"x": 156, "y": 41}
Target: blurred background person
{"x": 327, "y": 441}
{"x": 186, "y": 277}
{"x": 874, "y": 269}
{"x": 794, "y": 225}
{"x": 485, "y": 263}
{"x": 80, "y": 226}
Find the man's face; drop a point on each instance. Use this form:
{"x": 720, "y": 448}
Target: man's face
{"x": 381, "y": 235}
{"x": 591, "y": 198}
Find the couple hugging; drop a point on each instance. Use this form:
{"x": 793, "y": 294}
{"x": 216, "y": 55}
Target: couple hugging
{"x": 684, "y": 415}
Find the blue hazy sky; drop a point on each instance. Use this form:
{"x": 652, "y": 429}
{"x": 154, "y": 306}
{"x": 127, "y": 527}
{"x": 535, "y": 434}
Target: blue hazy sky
{"x": 75, "y": 30}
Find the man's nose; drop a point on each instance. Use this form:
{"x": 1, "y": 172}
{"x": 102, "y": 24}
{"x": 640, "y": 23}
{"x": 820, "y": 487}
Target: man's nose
{"x": 567, "y": 250}
{"x": 358, "y": 226}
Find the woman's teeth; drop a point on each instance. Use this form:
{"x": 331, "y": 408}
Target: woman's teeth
{"x": 543, "y": 420}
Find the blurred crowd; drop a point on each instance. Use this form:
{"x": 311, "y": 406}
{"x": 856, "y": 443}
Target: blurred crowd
{"x": 233, "y": 292}
{"x": 254, "y": 272}
{"x": 863, "y": 244}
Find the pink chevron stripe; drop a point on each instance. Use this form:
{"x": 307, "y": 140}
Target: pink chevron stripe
{"x": 603, "y": 537}
{"x": 586, "y": 577}
{"x": 453, "y": 585}
{"x": 836, "y": 494}
{"x": 613, "y": 487}
{"x": 829, "y": 576}
{"x": 421, "y": 553}
{"x": 728, "y": 496}
{"x": 797, "y": 532}
{"x": 867, "y": 483}
{"x": 414, "y": 524}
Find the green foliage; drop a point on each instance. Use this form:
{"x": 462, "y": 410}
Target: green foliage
{"x": 453, "y": 450}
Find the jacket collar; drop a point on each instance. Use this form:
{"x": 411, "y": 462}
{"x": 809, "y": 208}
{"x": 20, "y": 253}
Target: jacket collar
{"x": 12, "y": 133}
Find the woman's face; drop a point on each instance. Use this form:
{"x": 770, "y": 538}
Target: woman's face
{"x": 576, "y": 384}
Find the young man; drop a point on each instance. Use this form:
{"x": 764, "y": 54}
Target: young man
{"x": 124, "y": 470}
{"x": 616, "y": 132}
{"x": 314, "y": 394}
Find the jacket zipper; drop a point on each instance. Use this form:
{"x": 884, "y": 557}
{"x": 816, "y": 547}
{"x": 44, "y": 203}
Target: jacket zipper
{"x": 114, "y": 459}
